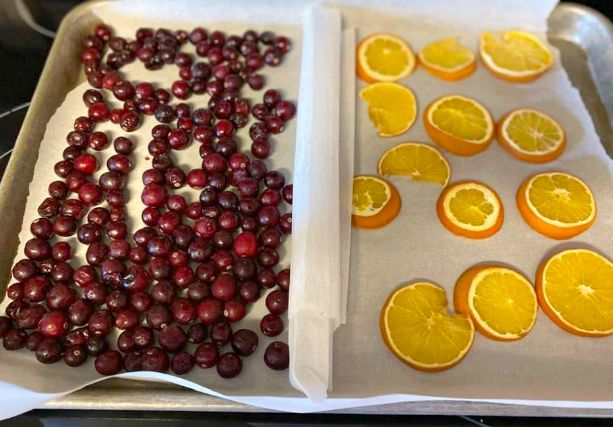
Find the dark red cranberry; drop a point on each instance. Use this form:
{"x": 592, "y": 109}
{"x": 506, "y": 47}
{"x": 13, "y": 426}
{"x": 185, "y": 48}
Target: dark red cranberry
{"x": 207, "y": 355}
{"x": 14, "y": 307}
{"x": 260, "y": 149}
{"x": 174, "y": 177}
{"x": 119, "y": 163}
{"x": 228, "y": 220}
{"x": 60, "y": 296}
{"x": 206, "y": 272}
{"x": 75, "y": 355}
{"x": 285, "y": 110}
{"x": 248, "y": 187}
{"x": 91, "y": 96}
{"x": 136, "y": 280}
{"x": 158, "y": 316}
{"x": 179, "y": 259}
{"x": 35, "y": 288}
{"x": 117, "y": 300}
{"x": 144, "y": 90}
{"x": 29, "y": 316}
{"x": 234, "y": 310}
{"x": 267, "y": 278}
{"x": 178, "y": 139}
{"x": 95, "y": 292}
{"x": 89, "y": 233}
{"x": 229, "y": 365}
{"x": 196, "y": 333}
{"x": 90, "y": 193}
{"x": 127, "y": 319}
{"x": 123, "y": 145}
{"x": 100, "y": 323}
{"x": 109, "y": 363}
{"x": 48, "y": 208}
{"x": 15, "y": 291}
{"x": 58, "y": 189}
{"x": 143, "y": 337}
{"x": 61, "y": 251}
{"x": 129, "y": 121}
{"x": 154, "y": 195}
{"x": 276, "y": 356}
{"x": 159, "y": 268}
{"x": 181, "y": 89}
{"x": 155, "y": 359}
{"x": 270, "y": 238}
{"x": 271, "y": 97}
{"x": 73, "y": 207}
{"x": 285, "y": 223}
{"x": 79, "y": 312}
{"x": 222, "y": 260}
{"x": 283, "y": 279}
{"x": 53, "y": 324}
{"x": 221, "y": 333}
{"x": 172, "y": 338}
{"x": 95, "y": 344}
{"x": 260, "y": 111}
{"x": 268, "y": 257}
{"x": 244, "y": 342}
{"x": 277, "y": 301}
{"x": 41, "y": 228}
{"x": 287, "y": 193}
{"x": 270, "y": 197}
{"x": 214, "y": 162}
{"x": 182, "y": 363}
{"x": 111, "y": 181}
{"x": 209, "y": 311}
{"x": 125, "y": 341}
{"x": 37, "y": 249}
{"x": 33, "y": 340}
{"x": 223, "y": 128}
{"x": 271, "y": 325}
{"x": 132, "y": 361}
{"x": 197, "y": 291}
{"x": 98, "y": 112}
{"x": 183, "y": 235}
{"x": 255, "y": 81}
{"x": 269, "y": 216}
{"x": 96, "y": 253}
{"x": 49, "y": 351}
{"x": 224, "y": 287}
{"x": 245, "y": 244}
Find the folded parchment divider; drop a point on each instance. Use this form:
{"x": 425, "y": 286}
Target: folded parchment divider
{"x": 314, "y": 310}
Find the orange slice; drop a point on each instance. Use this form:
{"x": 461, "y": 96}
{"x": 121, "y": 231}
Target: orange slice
{"x": 391, "y": 107}
{"x": 384, "y": 58}
{"x": 556, "y": 204}
{"x": 531, "y": 136}
{"x": 448, "y": 59}
{"x": 418, "y": 162}
{"x": 575, "y": 289}
{"x": 500, "y": 301}
{"x": 470, "y": 209}
{"x": 516, "y": 56}
{"x": 459, "y": 124}
{"x": 375, "y": 202}
{"x": 417, "y": 328}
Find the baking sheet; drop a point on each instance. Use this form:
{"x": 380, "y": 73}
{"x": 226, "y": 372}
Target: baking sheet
{"x": 548, "y": 364}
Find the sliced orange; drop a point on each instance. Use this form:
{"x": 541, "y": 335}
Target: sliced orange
{"x": 517, "y": 56}
{"x": 384, "y": 58}
{"x": 417, "y": 161}
{"x": 391, "y": 107}
{"x": 575, "y": 289}
{"x": 375, "y": 202}
{"x": 500, "y": 301}
{"x": 418, "y": 329}
{"x": 531, "y": 136}
{"x": 448, "y": 59}
{"x": 459, "y": 124}
{"x": 556, "y": 204}
{"x": 470, "y": 209}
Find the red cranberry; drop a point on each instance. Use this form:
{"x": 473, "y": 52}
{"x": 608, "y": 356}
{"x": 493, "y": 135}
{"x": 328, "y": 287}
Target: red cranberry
{"x": 61, "y": 251}
{"x": 271, "y": 325}
{"x": 248, "y": 187}
{"x": 270, "y": 238}
{"x": 15, "y": 291}
{"x": 162, "y": 292}
{"x": 178, "y": 139}
{"x": 270, "y": 197}
{"x": 42, "y": 228}
{"x": 214, "y": 163}
{"x": 174, "y": 177}
{"x": 129, "y": 121}
{"x": 35, "y": 288}
{"x": 197, "y": 178}
{"x": 271, "y": 97}
{"x": 255, "y": 81}
{"x": 90, "y": 193}
{"x": 96, "y": 253}
{"x": 97, "y": 141}
{"x": 125, "y": 341}
{"x": 95, "y": 292}
{"x": 285, "y": 223}
{"x": 33, "y": 340}
{"x": 79, "y": 312}
{"x": 119, "y": 163}
{"x": 111, "y": 181}
{"x": 48, "y": 351}
{"x": 285, "y": 110}
{"x": 182, "y": 363}
{"x": 181, "y": 89}
{"x": 287, "y": 193}
{"x": 276, "y": 356}
{"x": 172, "y": 338}
{"x": 197, "y": 291}
{"x": 91, "y": 96}
{"x": 244, "y": 342}
{"x": 53, "y": 324}
{"x": 123, "y": 145}
{"x": 60, "y": 296}
{"x": 123, "y": 90}
{"x": 283, "y": 279}
{"x": 209, "y": 311}
{"x": 144, "y": 90}
{"x": 277, "y": 301}
{"x": 14, "y": 339}
{"x": 154, "y": 195}
{"x": 28, "y": 317}
{"x": 109, "y": 363}
{"x": 234, "y": 311}
{"x": 117, "y": 300}
{"x": 268, "y": 257}
{"x": 269, "y": 216}
{"x": 132, "y": 361}
{"x": 182, "y": 311}
{"x": 155, "y": 359}
{"x": 267, "y": 278}
{"x": 58, "y": 189}
{"x": 228, "y": 220}
{"x": 206, "y": 272}
{"x": 143, "y": 337}
{"x": 89, "y": 233}
{"x": 95, "y": 344}
{"x": 75, "y": 356}
{"x": 127, "y": 319}
{"x": 245, "y": 244}
{"x": 100, "y": 323}
{"x": 260, "y": 149}
{"x": 223, "y": 128}
{"x": 73, "y": 207}
{"x": 207, "y": 355}
{"x": 158, "y": 316}
{"x": 98, "y": 112}
{"x": 274, "y": 180}
{"x": 229, "y": 365}
{"x": 37, "y": 249}
{"x": 48, "y": 208}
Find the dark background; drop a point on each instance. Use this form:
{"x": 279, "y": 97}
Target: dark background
{"x": 22, "y": 56}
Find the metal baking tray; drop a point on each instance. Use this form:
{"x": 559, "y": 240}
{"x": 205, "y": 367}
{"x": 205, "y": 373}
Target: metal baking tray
{"x": 585, "y": 40}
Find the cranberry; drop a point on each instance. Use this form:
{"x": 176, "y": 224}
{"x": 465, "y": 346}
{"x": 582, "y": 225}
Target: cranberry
{"x": 61, "y": 251}
{"x": 61, "y": 272}
{"x": 73, "y": 207}
{"x": 127, "y": 319}
{"x": 270, "y": 197}
{"x": 35, "y": 288}
{"x": 285, "y": 223}
{"x": 283, "y": 279}
{"x": 119, "y": 163}
{"x": 89, "y": 233}
{"x": 214, "y": 163}
{"x": 14, "y": 339}
{"x": 206, "y": 272}
{"x": 244, "y": 342}
{"x": 132, "y": 361}
{"x": 155, "y": 359}
{"x": 53, "y": 324}
{"x": 117, "y": 300}
{"x": 260, "y": 111}
{"x": 60, "y": 296}
{"x": 269, "y": 216}
{"x": 48, "y": 208}
{"x": 96, "y": 253}
{"x": 75, "y": 356}
{"x": 245, "y": 244}
{"x": 268, "y": 257}
{"x": 274, "y": 180}
{"x": 270, "y": 238}
{"x": 248, "y": 187}
{"x": 249, "y": 291}
{"x": 100, "y": 323}
{"x": 158, "y": 316}
{"x": 143, "y": 337}
{"x": 224, "y": 287}
{"x": 224, "y": 128}
{"x": 14, "y": 307}
{"x": 33, "y": 340}
{"x": 95, "y": 344}
{"x": 174, "y": 177}
{"x": 41, "y": 228}
{"x": 271, "y": 325}
{"x": 260, "y": 149}
{"x": 183, "y": 235}
{"x": 276, "y": 356}
{"x": 209, "y": 311}
{"x": 109, "y": 363}
{"x": 267, "y": 278}
{"x": 285, "y": 110}
{"x": 162, "y": 292}
{"x": 181, "y": 89}
{"x": 125, "y": 341}
{"x": 154, "y": 195}
{"x": 228, "y": 220}
{"x": 144, "y": 90}
{"x": 123, "y": 90}
{"x": 28, "y": 317}
{"x": 98, "y": 112}
{"x": 178, "y": 139}
{"x": 255, "y": 81}
{"x": 196, "y": 333}
{"x": 15, "y": 291}
{"x": 58, "y": 189}
{"x": 123, "y": 145}
{"x": 207, "y": 355}
{"x": 90, "y": 193}
{"x": 95, "y": 292}
{"x": 197, "y": 291}
{"x": 229, "y": 365}
{"x": 172, "y": 338}
{"x": 234, "y": 310}
{"x": 91, "y": 96}
{"x": 79, "y": 312}
{"x": 287, "y": 193}
{"x": 37, "y": 249}
{"x": 182, "y": 363}
{"x": 97, "y": 141}
{"x": 48, "y": 351}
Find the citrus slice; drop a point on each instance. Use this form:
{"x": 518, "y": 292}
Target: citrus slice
{"x": 391, "y": 107}
{"x": 448, "y": 59}
{"x": 459, "y": 124}
{"x": 417, "y": 161}
{"x": 470, "y": 209}
{"x": 375, "y": 203}
{"x": 531, "y": 136}
{"x": 575, "y": 289}
{"x": 556, "y": 204}
{"x": 384, "y": 58}
{"x": 500, "y": 301}
{"x": 417, "y": 328}
{"x": 516, "y": 56}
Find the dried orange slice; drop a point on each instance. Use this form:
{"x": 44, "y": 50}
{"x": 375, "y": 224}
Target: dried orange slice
{"x": 531, "y": 136}
{"x": 391, "y": 107}
{"x": 459, "y": 124}
{"x": 470, "y": 209}
{"x": 384, "y": 58}
{"x": 417, "y": 328}
{"x": 448, "y": 59}
{"x": 500, "y": 301}
{"x": 375, "y": 202}
{"x": 418, "y": 162}
{"x": 556, "y": 204}
{"x": 575, "y": 289}
{"x": 516, "y": 56}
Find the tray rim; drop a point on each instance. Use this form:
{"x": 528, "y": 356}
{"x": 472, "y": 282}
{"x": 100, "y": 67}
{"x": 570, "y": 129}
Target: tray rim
{"x": 120, "y": 396}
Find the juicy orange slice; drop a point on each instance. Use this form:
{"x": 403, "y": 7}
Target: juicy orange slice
{"x": 384, "y": 58}
{"x": 448, "y": 59}
{"x": 417, "y": 328}
{"x": 391, "y": 107}
{"x": 500, "y": 301}
{"x": 516, "y": 56}
{"x": 575, "y": 289}
{"x": 531, "y": 136}
{"x": 470, "y": 209}
{"x": 556, "y": 204}
{"x": 375, "y": 202}
{"x": 418, "y": 162}
{"x": 459, "y": 124}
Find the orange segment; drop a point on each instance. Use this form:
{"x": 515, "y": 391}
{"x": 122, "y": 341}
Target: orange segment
{"x": 418, "y": 162}
{"x": 531, "y": 136}
{"x": 448, "y": 59}
{"x": 417, "y": 328}
{"x": 459, "y": 124}
{"x": 384, "y": 58}
{"x": 470, "y": 209}
{"x": 575, "y": 289}
{"x": 556, "y": 204}
{"x": 391, "y": 107}
{"x": 500, "y": 301}
{"x": 375, "y": 202}
{"x": 516, "y": 56}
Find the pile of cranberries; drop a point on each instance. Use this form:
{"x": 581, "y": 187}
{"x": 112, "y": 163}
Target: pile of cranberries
{"x": 171, "y": 291}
